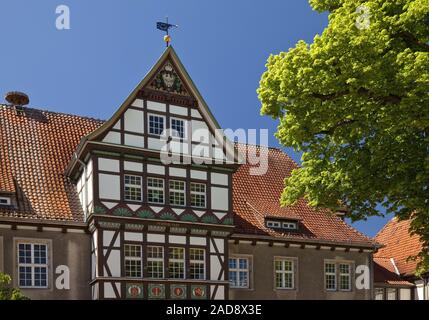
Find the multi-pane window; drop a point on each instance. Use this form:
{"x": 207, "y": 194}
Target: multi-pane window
{"x": 198, "y": 195}
{"x": 156, "y": 124}
{"x": 177, "y": 193}
{"x": 345, "y": 276}
{"x": 176, "y": 263}
{"x": 379, "y": 293}
{"x": 330, "y": 276}
{"x": 33, "y": 265}
{"x": 391, "y": 294}
{"x": 133, "y": 188}
{"x": 284, "y": 273}
{"x": 155, "y": 262}
{"x": 178, "y": 128}
{"x": 239, "y": 272}
{"x": 133, "y": 261}
{"x": 197, "y": 266}
{"x": 155, "y": 190}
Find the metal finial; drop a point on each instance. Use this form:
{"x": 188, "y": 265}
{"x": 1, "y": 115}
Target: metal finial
{"x": 165, "y": 26}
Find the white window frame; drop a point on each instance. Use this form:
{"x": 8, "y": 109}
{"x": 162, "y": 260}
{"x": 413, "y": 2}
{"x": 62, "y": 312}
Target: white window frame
{"x": 237, "y": 271}
{"x": 200, "y": 262}
{"x": 175, "y": 260}
{"x": 151, "y": 259}
{"x": 289, "y": 225}
{"x": 334, "y": 273}
{"x": 342, "y": 274}
{"x": 185, "y": 126}
{"x": 132, "y": 258}
{"x": 32, "y": 264}
{"x": 129, "y": 185}
{"x": 5, "y": 201}
{"x": 283, "y": 272}
{"x": 199, "y": 193}
{"x": 148, "y": 123}
{"x": 377, "y": 292}
{"x": 156, "y": 188}
{"x": 170, "y": 190}
{"x": 394, "y": 290}
{"x": 273, "y": 224}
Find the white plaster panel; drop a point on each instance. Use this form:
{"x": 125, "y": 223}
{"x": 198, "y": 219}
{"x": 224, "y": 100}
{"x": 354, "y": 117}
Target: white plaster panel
{"x": 179, "y": 147}
{"x": 114, "y": 263}
{"x": 177, "y": 239}
{"x": 200, "y": 151}
{"x": 219, "y": 178}
{"x": 109, "y": 205}
{"x": 220, "y": 294}
{"x": 108, "y": 290}
{"x": 219, "y": 215}
{"x": 134, "y": 140}
{"x": 117, "y": 125}
{"x": 155, "y": 237}
{"x": 111, "y": 165}
{"x": 178, "y": 110}
{"x": 133, "y": 166}
{"x": 215, "y": 267}
{"x": 134, "y": 121}
{"x": 198, "y": 241}
{"x": 155, "y": 144}
{"x": 197, "y": 174}
{"x": 151, "y": 168}
{"x": 218, "y": 153}
{"x": 133, "y": 236}
{"x": 138, "y": 103}
{"x": 220, "y": 200}
{"x": 220, "y": 243}
{"x": 113, "y": 137}
{"x": 107, "y": 237}
{"x": 109, "y": 186}
{"x": 177, "y": 172}
{"x": 200, "y": 131}
{"x": 195, "y": 113}
{"x": 152, "y": 105}
{"x": 89, "y": 168}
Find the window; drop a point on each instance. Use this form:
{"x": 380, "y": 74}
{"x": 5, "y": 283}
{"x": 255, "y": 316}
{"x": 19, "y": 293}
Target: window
{"x": 379, "y": 294}
{"x": 178, "y": 128}
{"x": 33, "y": 265}
{"x": 133, "y": 261}
{"x": 345, "y": 277}
{"x": 273, "y": 224}
{"x": 155, "y": 262}
{"x": 155, "y": 190}
{"x": 4, "y": 201}
{"x": 197, "y": 266}
{"x": 289, "y": 225}
{"x": 391, "y": 293}
{"x": 198, "y": 195}
{"x": 133, "y": 188}
{"x": 176, "y": 263}
{"x": 284, "y": 273}
{"x": 330, "y": 276}
{"x": 239, "y": 272}
{"x": 177, "y": 193}
{"x": 156, "y": 124}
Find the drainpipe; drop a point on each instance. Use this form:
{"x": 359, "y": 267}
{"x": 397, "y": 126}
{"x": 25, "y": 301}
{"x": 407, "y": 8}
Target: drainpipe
{"x": 85, "y": 188}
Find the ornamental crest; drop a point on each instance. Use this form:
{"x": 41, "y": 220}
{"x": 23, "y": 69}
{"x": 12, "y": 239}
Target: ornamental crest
{"x": 168, "y": 80}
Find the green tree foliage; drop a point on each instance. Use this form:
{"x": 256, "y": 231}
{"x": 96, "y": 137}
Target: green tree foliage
{"x": 355, "y": 102}
{"x": 7, "y": 292}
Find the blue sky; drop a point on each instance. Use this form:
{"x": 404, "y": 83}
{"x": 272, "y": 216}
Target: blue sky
{"x": 90, "y": 69}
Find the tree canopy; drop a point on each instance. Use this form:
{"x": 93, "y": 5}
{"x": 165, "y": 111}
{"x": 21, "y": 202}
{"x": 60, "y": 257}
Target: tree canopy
{"x": 6, "y": 291}
{"x": 355, "y": 102}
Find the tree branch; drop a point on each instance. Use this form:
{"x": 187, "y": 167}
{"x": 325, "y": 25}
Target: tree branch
{"x": 337, "y": 125}
{"x": 412, "y": 40}
{"x": 390, "y": 99}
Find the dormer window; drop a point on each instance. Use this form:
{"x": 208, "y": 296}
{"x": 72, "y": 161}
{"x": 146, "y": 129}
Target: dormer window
{"x": 281, "y": 225}
{"x": 5, "y": 201}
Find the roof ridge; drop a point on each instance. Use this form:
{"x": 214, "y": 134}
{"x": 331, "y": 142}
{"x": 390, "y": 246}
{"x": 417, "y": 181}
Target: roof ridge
{"x": 8, "y": 106}
{"x": 384, "y": 227}
{"x": 257, "y": 145}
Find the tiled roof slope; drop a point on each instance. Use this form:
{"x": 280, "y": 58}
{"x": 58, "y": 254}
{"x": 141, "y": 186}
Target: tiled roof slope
{"x": 35, "y": 149}
{"x": 385, "y": 273}
{"x": 257, "y": 196}
{"x": 399, "y": 245}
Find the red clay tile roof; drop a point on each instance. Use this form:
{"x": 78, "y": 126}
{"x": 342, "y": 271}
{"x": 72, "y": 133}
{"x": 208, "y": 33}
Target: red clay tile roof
{"x": 385, "y": 273}
{"x": 257, "y": 196}
{"x": 399, "y": 245}
{"x": 35, "y": 149}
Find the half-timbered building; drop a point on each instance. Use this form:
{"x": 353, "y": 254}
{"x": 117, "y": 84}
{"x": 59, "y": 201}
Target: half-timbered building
{"x": 156, "y": 203}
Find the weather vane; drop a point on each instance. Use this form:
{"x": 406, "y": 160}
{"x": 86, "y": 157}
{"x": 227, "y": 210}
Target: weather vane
{"x": 165, "y": 26}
